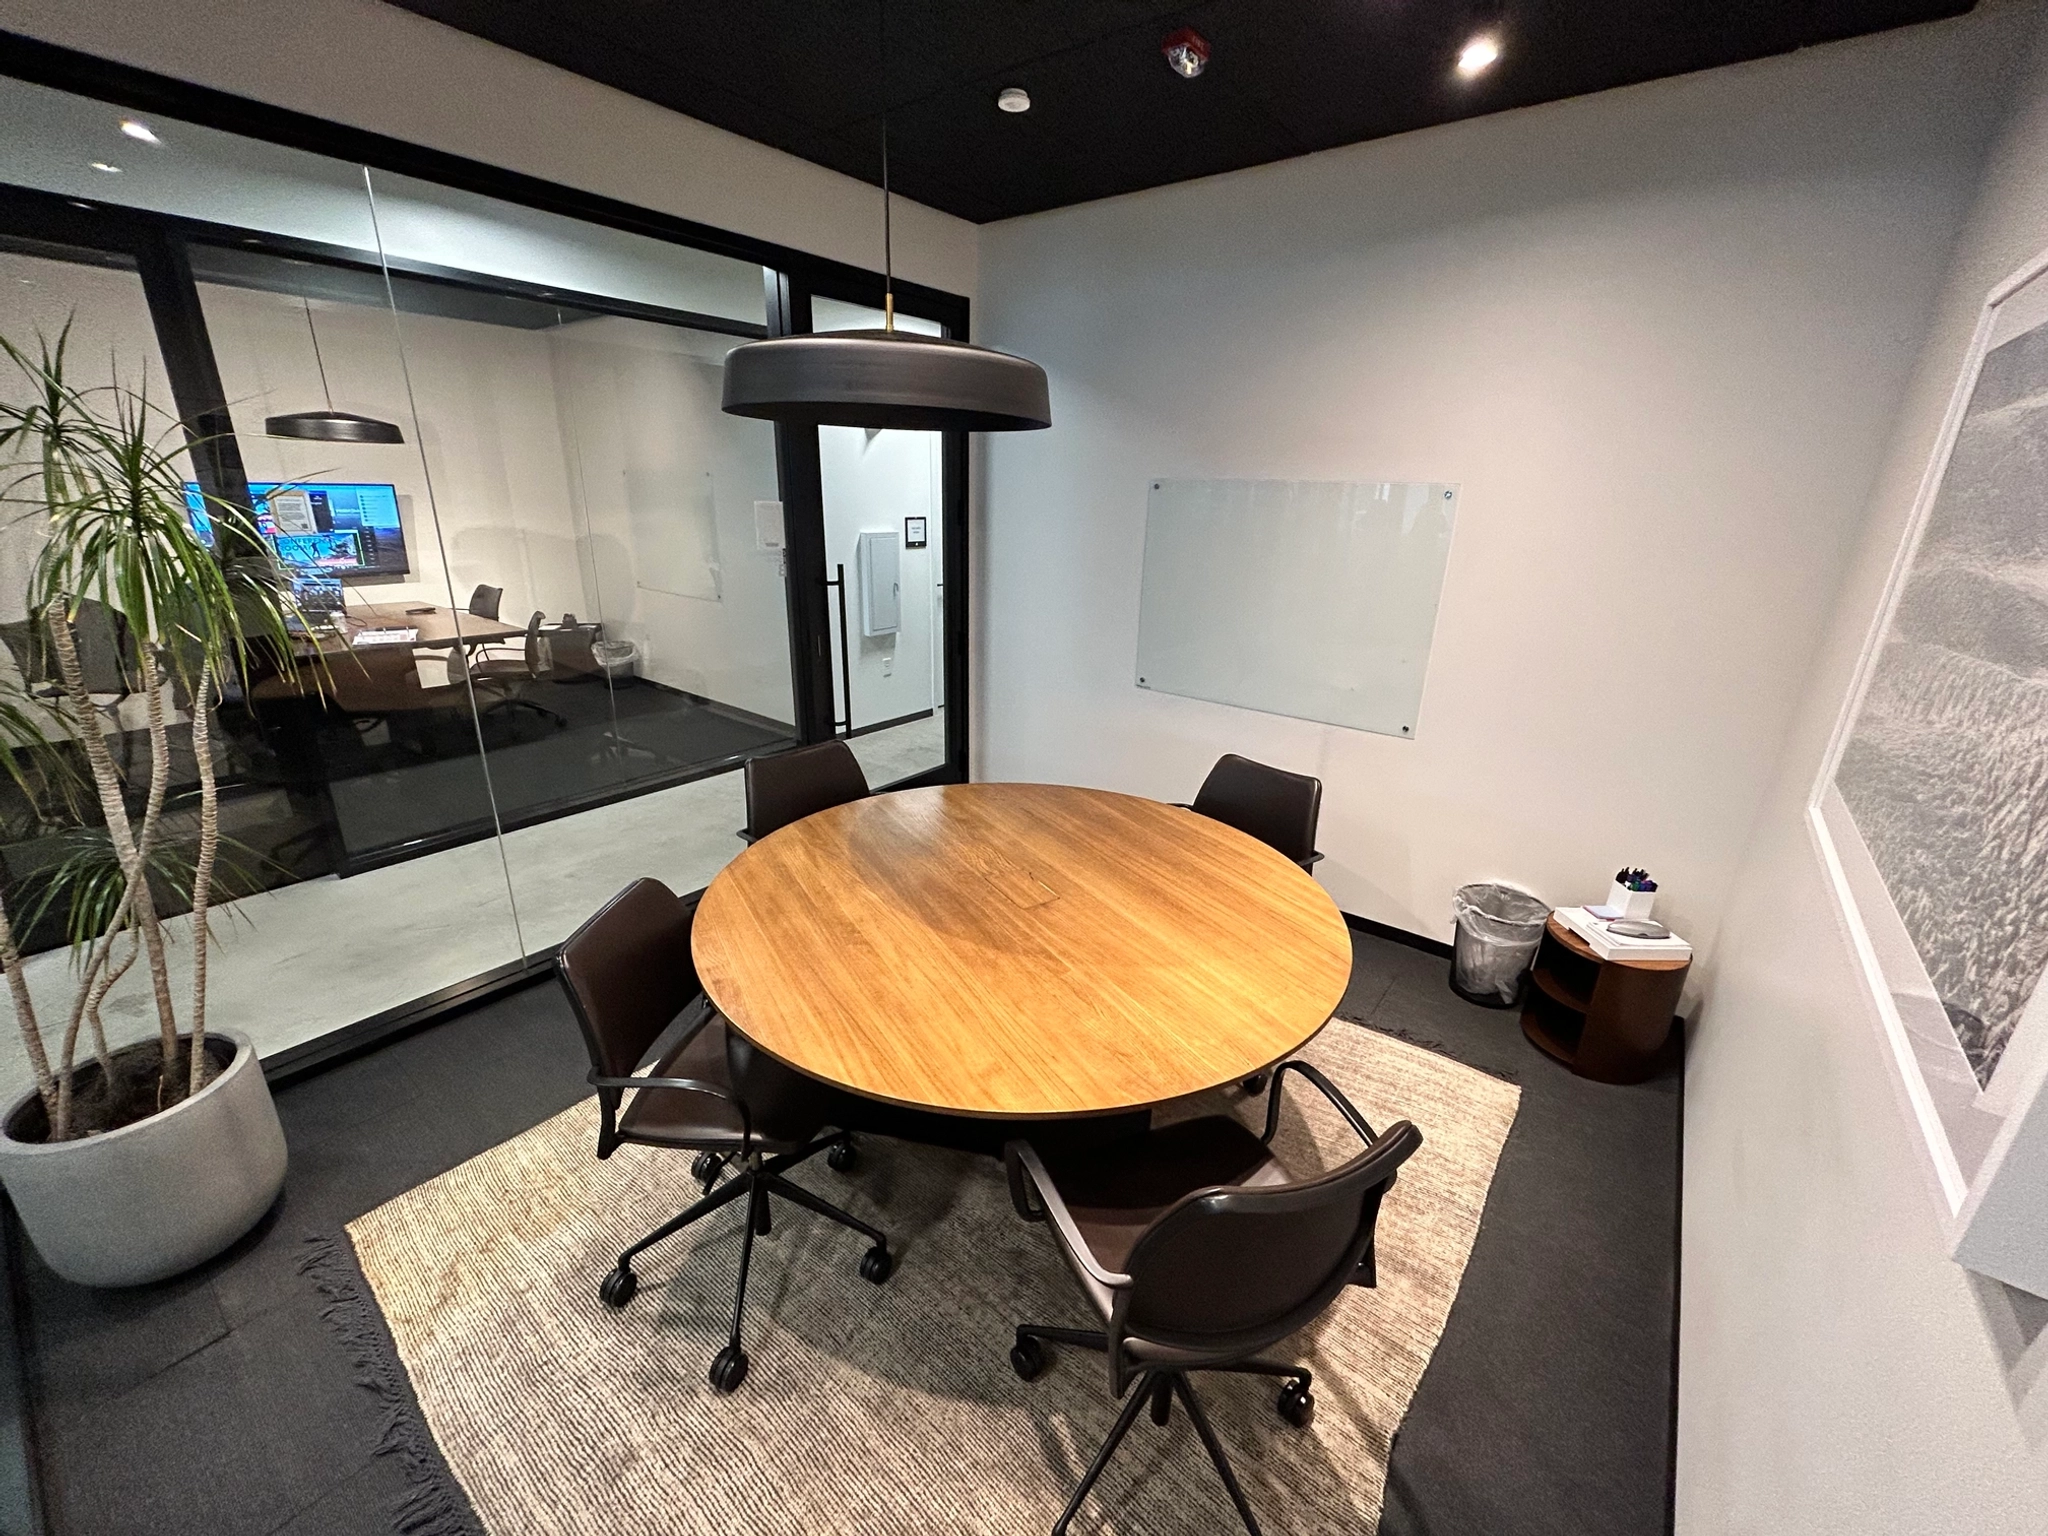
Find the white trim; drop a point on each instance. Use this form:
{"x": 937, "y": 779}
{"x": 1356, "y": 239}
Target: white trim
{"x": 1961, "y": 1197}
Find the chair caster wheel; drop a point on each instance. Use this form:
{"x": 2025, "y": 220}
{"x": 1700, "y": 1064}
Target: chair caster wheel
{"x": 729, "y": 1369}
{"x": 1255, "y": 1084}
{"x": 1297, "y": 1405}
{"x": 618, "y": 1287}
{"x": 876, "y": 1264}
{"x": 705, "y": 1168}
{"x": 1027, "y": 1359}
{"x": 843, "y": 1158}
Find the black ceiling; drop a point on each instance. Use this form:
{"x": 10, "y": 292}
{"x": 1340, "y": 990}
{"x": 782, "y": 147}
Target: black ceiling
{"x": 1107, "y": 115}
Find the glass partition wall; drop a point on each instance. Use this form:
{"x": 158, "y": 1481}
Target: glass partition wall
{"x": 549, "y": 623}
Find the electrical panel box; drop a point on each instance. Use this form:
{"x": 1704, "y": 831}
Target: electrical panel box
{"x": 879, "y": 571}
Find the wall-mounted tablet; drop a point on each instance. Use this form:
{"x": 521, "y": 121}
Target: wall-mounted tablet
{"x": 341, "y": 530}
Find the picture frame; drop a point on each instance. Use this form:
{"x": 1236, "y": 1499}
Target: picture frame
{"x": 1924, "y": 809}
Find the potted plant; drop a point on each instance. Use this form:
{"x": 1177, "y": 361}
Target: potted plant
{"x": 137, "y": 1162}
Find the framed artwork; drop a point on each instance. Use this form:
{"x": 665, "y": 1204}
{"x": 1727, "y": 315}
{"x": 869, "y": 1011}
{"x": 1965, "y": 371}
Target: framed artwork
{"x": 1931, "y": 810}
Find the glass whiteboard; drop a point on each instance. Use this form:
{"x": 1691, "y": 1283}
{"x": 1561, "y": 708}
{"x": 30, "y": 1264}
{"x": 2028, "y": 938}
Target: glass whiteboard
{"x": 1310, "y": 598}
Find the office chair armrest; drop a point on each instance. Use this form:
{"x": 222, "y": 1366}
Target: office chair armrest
{"x": 1026, "y": 1171}
{"x": 745, "y": 836}
{"x": 684, "y": 1085}
{"x": 1312, "y": 860}
{"x": 1329, "y": 1089}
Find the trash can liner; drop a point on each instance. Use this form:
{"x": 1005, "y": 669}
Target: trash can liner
{"x": 1497, "y": 931}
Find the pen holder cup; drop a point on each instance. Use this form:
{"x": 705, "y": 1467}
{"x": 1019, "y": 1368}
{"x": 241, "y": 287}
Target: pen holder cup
{"x": 1630, "y": 903}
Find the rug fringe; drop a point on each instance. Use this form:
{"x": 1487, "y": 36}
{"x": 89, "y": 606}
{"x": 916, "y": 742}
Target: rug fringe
{"x": 1498, "y": 1074}
{"x": 433, "y": 1503}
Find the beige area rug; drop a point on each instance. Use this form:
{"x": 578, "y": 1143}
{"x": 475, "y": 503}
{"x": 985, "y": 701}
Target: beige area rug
{"x": 887, "y": 1409}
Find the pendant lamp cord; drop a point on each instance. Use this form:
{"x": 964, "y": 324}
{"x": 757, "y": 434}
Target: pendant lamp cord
{"x": 318, "y": 361}
{"x": 888, "y": 255}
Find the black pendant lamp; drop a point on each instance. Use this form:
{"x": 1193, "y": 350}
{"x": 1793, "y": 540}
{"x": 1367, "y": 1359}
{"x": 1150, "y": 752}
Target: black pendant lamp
{"x": 885, "y": 378}
{"x": 330, "y": 425}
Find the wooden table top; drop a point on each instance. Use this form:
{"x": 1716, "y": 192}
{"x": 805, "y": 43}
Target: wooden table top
{"x": 438, "y": 626}
{"x": 1581, "y": 948}
{"x": 1022, "y": 950}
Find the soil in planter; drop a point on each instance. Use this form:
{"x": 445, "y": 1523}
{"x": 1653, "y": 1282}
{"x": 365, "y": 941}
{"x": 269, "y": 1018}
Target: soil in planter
{"x": 137, "y": 1075}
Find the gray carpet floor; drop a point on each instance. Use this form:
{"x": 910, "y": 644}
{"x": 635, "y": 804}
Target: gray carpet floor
{"x": 222, "y": 1404}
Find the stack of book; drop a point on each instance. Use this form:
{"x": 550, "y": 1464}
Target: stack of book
{"x": 1614, "y": 946}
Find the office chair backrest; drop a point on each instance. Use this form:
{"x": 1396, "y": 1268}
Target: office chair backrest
{"x": 534, "y": 664}
{"x": 483, "y": 602}
{"x": 1249, "y": 1264}
{"x": 29, "y": 645}
{"x": 1277, "y": 807}
{"x": 792, "y": 785}
{"x": 628, "y": 973}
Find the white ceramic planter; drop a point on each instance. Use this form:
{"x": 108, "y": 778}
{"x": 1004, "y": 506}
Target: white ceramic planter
{"x": 154, "y": 1198}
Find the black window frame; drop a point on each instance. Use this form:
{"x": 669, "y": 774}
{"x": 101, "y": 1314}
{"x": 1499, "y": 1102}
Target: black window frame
{"x": 793, "y": 278}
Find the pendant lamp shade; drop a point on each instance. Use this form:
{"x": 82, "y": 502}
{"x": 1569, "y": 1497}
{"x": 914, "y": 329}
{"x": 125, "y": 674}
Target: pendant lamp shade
{"x": 885, "y": 379}
{"x": 332, "y": 427}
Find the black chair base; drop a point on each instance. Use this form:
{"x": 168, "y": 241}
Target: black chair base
{"x": 755, "y": 1179}
{"x": 1157, "y": 1389}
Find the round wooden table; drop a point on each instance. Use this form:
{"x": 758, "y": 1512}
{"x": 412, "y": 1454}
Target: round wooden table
{"x": 1020, "y": 950}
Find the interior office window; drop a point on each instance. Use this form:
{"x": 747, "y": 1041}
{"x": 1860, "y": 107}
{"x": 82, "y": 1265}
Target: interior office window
{"x": 584, "y": 473}
{"x": 883, "y": 501}
{"x": 302, "y": 951}
{"x": 45, "y": 292}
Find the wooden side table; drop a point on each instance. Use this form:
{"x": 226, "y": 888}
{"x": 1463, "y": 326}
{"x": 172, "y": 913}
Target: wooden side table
{"x": 1605, "y": 1019}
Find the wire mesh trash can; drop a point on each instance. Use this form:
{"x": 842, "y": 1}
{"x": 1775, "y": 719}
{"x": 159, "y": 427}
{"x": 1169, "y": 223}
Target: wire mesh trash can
{"x": 1498, "y": 929}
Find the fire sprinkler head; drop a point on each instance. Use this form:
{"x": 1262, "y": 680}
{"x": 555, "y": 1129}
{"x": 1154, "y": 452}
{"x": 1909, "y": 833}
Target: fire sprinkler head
{"x": 1187, "y": 51}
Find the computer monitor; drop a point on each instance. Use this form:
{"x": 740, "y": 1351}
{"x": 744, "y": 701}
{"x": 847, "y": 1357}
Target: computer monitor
{"x": 340, "y": 530}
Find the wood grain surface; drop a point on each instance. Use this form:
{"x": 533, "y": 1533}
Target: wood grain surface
{"x": 1027, "y": 950}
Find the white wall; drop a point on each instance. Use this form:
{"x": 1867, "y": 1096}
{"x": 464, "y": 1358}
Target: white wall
{"x": 640, "y": 413}
{"x": 376, "y": 67}
{"x": 1657, "y": 335}
{"x": 1838, "y": 1372}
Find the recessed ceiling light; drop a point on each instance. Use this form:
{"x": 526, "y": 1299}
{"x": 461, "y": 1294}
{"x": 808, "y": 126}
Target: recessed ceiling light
{"x": 111, "y": 170}
{"x": 1479, "y": 55}
{"x": 1014, "y": 98}
{"x": 141, "y": 131}
{"x": 1187, "y": 51}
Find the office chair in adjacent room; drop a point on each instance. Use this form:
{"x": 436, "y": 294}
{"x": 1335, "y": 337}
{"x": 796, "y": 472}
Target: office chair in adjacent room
{"x": 107, "y": 664}
{"x": 483, "y": 602}
{"x": 510, "y": 676}
{"x": 1277, "y": 807}
{"x": 1198, "y": 1249}
{"x": 629, "y": 978}
{"x": 792, "y": 785}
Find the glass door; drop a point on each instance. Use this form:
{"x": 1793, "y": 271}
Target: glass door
{"x": 884, "y": 503}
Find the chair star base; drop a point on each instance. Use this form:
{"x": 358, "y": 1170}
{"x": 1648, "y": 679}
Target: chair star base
{"x": 1158, "y": 1388}
{"x": 756, "y": 1178}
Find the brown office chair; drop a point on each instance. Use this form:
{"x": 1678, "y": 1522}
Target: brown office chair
{"x": 1277, "y": 807}
{"x": 510, "y": 676}
{"x": 792, "y": 785}
{"x": 483, "y": 602}
{"x": 629, "y": 977}
{"x": 1199, "y": 1249}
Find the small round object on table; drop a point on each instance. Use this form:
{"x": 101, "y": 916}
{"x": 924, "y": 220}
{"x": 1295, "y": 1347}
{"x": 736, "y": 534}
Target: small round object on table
{"x": 1020, "y": 950}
